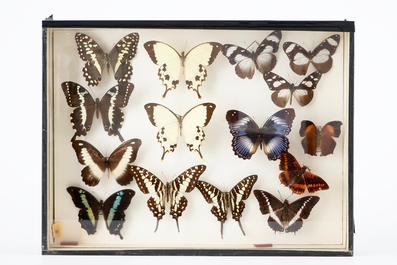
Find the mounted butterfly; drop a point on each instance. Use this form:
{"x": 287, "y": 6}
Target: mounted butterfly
{"x": 248, "y": 136}
{"x": 260, "y": 56}
{"x": 97, "y": 60}
{"x": 319, "y": 139}
{"x": 171, "y": 192}
{"x": 191, "y": 64}
{"x": 285, "y": 217}
{"x": 96, "y": 164}
{"x": 172, "y": 125}
{"x": 297, "y": 178}
{"x": 224, "y": 200}
{"x": 283, "y": 90}
{"x": 86, "y": 107}
{"x": 112, "y": 209}
{"x": 320, "y": 57}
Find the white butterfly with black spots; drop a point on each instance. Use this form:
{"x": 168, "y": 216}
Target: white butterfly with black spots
{"x": 232, "y": 200}
{"x": 283, "y": 90}
{"x": 192, "y": 64}
{"x": 171, "y": 192}
{"x": 173, "y": 125}
{"x": 97, "y": 60}
{"x": 320, "y": 57}
{"x": 260, "y": 56}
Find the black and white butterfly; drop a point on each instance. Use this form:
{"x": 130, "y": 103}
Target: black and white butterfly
{"x": 283, "y": 90}
{"x": 285, "y": 217}
{"x": 112, "y": 209}
{"x": 96, "y": 164}
{"x": 172, "y": 125}
{"x": 97, "y": 60}
{"x": 171, "y": 192}
{"x": 191, "y": 64}
{"x": 86, "y": 107}
{"x": 232, "y": 200}
{"x": 248, "y": 136}
{"x": 260, "y": 56}
{"x": 320, "y": 57}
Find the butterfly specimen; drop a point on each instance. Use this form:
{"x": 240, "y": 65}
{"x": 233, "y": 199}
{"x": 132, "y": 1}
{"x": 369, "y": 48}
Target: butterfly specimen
{"x": 261, "y": 58}
{"x": 283, "y": 90}
{"x": 232, "y": 200}
{"x": 191, "y": 64}
{"x": 297, "y": 178}
{"x": 171, "y": 192}
{"x": 112, "y": 208}
{"x": 285, "y": 217}
{"x": 319, "y": 139}
{"x": 97, "y": 60}
{"x": 86, "y": 107}
{"x": 97, "y": 164}
{"x": 172, "y": 125}
{"x": 320, "y": 57}
{"x": 248, "y": 136}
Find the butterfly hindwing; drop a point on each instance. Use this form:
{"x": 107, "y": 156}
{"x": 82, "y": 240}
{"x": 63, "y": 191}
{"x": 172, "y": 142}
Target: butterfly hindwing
{"x": 192, "y": 65}
{"x": 97, "y": 60}
{"x": 320, "y": 57}
{"x": 248, "y": 136}
{"x": 96, "y": 164}
{"x": 172, "y": 125}
{"x": 113, "y": 209}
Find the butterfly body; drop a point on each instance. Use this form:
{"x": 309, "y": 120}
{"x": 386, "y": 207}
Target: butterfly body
{"x": 261, "y": 58}
{"x": 96, "y": 164}
{"x": 171, "y": 192}
{"x": 224, "y": 201}
{"x": 284, "y": 216}
{"x": 297, "y": 178}
{"x": 191, "y": 65}
{"x": 320, "y": 57}
{"x": 97, "y": 60}
{"x": 319, "y": 139}
{"x": 271, "y": 137}
{"x": 112, "y": 209}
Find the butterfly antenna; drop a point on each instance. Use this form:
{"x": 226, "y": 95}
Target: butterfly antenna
{"x": 281, "y": 197}
{"x": 241, "y": 227}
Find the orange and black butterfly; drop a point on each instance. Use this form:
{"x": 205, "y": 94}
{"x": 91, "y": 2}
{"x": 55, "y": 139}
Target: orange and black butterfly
{"x": 297, "y": 178}
{"x": 319, "y": 139}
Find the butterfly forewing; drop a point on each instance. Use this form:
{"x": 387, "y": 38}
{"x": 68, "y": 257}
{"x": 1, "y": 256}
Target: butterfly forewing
{"x": 241, "y": 192}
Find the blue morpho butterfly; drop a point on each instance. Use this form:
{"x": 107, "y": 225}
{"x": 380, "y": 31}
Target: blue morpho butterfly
{"x": 271, "y": 137}
{"x": 112, "y": 208}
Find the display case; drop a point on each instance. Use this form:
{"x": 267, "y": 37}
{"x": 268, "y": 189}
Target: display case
{"x": 198, "y": 137}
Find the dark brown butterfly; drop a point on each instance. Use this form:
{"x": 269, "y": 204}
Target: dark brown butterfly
{"x": 232, "y": 200}
{"x": 320, "y": 57}
{"x": 297, "y": 178}
{"x": 283, "y": 90}
{"x": 319, "y": 139}
{"x": 285, "y": 217}
{"x": 96, "y": 164}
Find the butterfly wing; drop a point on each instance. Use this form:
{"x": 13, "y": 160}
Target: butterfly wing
{"x": 304, "y": 92}
{"x": 192, "y": 125}
{"x": 274, "y": 133}
{"x": 121, "y": 54}
{"x": 170, "y": 61}
{"x": 79, "y": 98}
{"x": 169, "y": 123}
{"x": 115, "y": 98}
{"x": 264, "y": 58}
{"x": 95, "y": 163}
{"x": 245, "y": 132}
{"x": 300, "y": 209}
{"x": 89, "y": 208}
{"x": 243, "y": 58}
{"x": 322, "y": 59}
{"x": 293, "y": 174}
{"x": 327, "y": 143}
{"x": 195, "y": 62}
{"x": 113, "y": 210}
{"x": 120, "y": 159}
{"x": 96, "y": 60}
{"x": 310, "y": 141}
{"x": 298, "y": 56}
{"x": 268, "y": 204}
{"x": 281, "y": 87}
{"x": 314, "y": 183}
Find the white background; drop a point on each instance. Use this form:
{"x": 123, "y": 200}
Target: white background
{"x": 20, "y": 222}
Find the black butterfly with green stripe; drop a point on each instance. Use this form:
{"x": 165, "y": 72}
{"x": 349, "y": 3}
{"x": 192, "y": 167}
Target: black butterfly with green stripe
{"x": 112, "y": 208}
